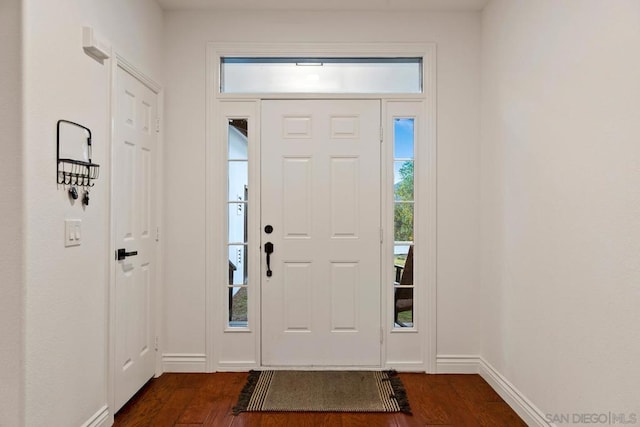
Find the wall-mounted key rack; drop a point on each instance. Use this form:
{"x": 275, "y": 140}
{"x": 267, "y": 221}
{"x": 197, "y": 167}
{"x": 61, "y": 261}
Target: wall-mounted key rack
{"x": 75, "y": 167}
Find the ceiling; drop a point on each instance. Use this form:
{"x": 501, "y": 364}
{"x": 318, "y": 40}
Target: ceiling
{"x": 382, "y": 5}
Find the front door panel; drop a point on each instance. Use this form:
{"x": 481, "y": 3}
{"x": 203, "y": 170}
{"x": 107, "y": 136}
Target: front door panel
{"x": 320, "y": 172}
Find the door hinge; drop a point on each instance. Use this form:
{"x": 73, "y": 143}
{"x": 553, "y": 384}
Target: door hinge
{"x": 381, "y": 335}
{"x": 157, "y": 346}
{"x": 381, "y": 134}
{"x": 157, "y": 234}
{"x": 381, "y": 235}
{"x": 157, "y": 124}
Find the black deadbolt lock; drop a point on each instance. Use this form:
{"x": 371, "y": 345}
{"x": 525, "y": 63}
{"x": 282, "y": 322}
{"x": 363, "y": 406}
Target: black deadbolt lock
{"x": 268, "y": 229}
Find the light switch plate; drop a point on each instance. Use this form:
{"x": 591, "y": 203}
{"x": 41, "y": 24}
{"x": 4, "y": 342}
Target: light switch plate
{"x": 72, "y": 232}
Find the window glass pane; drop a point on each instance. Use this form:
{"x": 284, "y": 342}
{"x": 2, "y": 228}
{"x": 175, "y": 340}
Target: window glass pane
{"x": 403, "y": 311}
{"x": 399, "y": 260}
{"x": 237, "y": 196}
{"x": 403, "y": 180}
{"x": 403, "y": 222}
{"x": 237, "y": 265}
{"x": 237, "y": 225}
{"x": 238, "y": 307}
{"x": 238, "y": 180}
{"x": 403, "y": 138}
{"x": 403, "y": 286}
{"x": 321, "y": 75}
{"x": 238, "y": 139}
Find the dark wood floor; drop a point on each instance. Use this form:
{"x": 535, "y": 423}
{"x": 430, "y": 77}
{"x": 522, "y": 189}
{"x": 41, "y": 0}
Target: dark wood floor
{"x": 183, "y": 400}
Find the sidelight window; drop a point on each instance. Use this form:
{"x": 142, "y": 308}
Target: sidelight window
{"x": 403, "y": 219}
{"x": 237, "y": 215}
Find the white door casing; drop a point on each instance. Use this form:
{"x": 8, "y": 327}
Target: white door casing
{"x": 240, "y": 349}
{"x": 320, "y": 190}
{"x": 134, "y": 167}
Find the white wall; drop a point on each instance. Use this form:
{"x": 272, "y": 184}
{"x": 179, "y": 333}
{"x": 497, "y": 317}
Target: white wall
{"x": 457, "y": 38}
{"x": 11, "y": 211}
{"x": 561, "y": 201}
{"x": 66, "y": 288}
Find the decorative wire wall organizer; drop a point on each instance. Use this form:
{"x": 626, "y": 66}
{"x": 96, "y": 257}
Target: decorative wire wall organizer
{"x": 75, "y": 167}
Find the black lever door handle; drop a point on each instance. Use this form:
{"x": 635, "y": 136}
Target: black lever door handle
{"x": 268, "y": 249}
{"x": 122, "y": 254}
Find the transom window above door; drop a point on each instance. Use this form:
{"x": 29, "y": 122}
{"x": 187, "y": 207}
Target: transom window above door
{"x": 320, "y": 75}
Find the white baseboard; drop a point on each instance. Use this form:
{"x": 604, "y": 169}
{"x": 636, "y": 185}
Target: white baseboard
{"x": 406, "y": 366}
{"x": 464, "y": 364}
{"x": 457, "y": 364}
{"x": 237, "y": 366}
{"x": 99, "y": 419}
{"x": 181, "y": 362}
{"x": 514, "y": 398}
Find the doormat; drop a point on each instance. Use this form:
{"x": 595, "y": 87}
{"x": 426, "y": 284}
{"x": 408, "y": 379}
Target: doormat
{"x": 323, "y": 391}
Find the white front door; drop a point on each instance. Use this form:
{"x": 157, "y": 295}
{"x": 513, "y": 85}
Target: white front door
{"x": 134, "y": 170}
{"x": 320, "y": 168}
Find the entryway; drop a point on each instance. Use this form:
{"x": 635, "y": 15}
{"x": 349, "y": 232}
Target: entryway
{"x": 320, "y": 163}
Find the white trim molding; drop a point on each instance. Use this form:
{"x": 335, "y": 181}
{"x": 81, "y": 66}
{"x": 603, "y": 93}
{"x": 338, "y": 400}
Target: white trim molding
{"x": 404, "y": 366}
{"x": 237, "y": 366}
{"x": 457, "y": 364}
{"x": 99, "y": 419}
{"x": 468, "y": 364}
{"x": 184, "y": 362}
{"x": 123, "y": 63}
{"x": 423, "y": 356}
{"x": 514, "y": 398}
